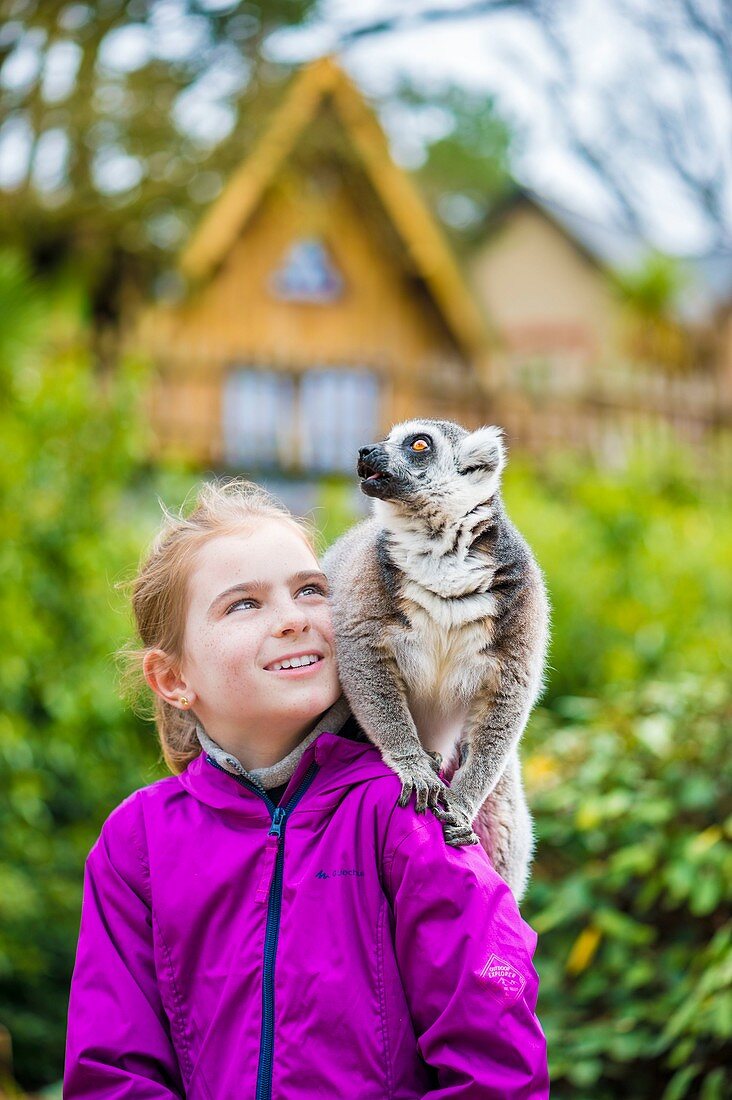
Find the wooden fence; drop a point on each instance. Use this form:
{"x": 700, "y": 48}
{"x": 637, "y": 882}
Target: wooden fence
{"x": 616, "y": 414}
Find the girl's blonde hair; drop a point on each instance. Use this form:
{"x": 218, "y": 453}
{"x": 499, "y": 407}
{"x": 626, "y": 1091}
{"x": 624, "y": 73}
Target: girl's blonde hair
{"x": 159, "y": 592}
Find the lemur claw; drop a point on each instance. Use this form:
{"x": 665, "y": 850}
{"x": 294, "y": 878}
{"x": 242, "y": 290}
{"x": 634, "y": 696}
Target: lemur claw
{"x": 458, "y": 836}
{"x": 421, "y": 775}
{"x": 456, "y": 825}
{"x": 445, "y": 816}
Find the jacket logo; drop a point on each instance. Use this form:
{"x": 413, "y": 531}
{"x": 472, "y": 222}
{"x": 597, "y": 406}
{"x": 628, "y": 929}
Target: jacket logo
{"x": 501, "y": 975}
{"x": 341, "y": 871}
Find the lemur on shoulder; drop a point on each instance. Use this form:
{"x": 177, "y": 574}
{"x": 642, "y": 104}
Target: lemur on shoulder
{"x": 441, "y": 624}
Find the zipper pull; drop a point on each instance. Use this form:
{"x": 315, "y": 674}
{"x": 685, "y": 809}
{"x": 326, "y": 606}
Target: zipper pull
{"x": 278, "y": 820}
{"x": 274, "y": 835}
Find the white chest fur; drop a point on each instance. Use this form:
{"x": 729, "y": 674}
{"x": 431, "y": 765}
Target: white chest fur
{"x": 442, "y": 666}
{"x": 444, "y": 652}
{"x": 444, "y": 669}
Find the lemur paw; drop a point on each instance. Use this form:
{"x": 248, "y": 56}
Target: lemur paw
{"x": 420, "y": 774}
{"x": 458, "y": 835}
{"x": 456, "y": 826}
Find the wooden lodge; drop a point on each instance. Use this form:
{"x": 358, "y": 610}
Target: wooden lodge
{"x": 322, "y": 304}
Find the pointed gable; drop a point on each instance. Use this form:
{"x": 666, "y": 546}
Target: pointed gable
{"x": 323, "y": 302}
{"x": 323, "y": 89}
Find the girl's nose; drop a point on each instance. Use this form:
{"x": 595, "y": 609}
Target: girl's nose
{"x": 292, "y": 621}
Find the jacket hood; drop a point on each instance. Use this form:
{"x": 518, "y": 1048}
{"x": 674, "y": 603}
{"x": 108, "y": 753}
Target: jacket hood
{"x": 344, "y": 760}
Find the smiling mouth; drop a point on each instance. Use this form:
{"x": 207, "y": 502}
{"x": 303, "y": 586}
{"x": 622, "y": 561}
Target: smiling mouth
{"x": 289, "y": 668}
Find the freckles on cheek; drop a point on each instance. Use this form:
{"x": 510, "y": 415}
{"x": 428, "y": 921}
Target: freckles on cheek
{"x": 240, "y": 670}
{"x": 325, "y": 625}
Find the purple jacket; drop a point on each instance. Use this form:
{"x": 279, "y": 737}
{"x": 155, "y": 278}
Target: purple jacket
{"x": 332, "y": 946}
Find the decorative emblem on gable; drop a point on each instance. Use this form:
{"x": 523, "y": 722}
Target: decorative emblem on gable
{"x": 307, "y": 274}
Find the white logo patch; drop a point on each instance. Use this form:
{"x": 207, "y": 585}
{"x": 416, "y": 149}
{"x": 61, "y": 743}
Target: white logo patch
{"x": 502, "y": 976}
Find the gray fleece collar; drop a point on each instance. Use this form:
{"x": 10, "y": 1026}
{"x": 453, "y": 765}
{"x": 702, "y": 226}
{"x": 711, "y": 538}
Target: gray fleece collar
{"x": 276, "y": 774}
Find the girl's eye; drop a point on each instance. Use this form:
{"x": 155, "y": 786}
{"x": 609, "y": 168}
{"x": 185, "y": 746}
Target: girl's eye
{"x": 316, "y": 588}
{"x": 240, "y": 603}
{"x": 246, "y": 602}
{"x": 420, "y": 444}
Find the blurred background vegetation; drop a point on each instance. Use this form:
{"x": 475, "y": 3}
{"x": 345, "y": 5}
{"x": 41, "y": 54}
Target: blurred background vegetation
{"x": 627, "y": 759}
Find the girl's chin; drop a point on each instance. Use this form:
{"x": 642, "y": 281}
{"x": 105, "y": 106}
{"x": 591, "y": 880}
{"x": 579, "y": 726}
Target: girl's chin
{"x": 319, "y": 702}
{"x": 321, "y": 682}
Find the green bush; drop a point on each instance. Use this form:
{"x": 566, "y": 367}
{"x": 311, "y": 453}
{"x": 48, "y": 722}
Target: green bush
{"x": 627, "y": 760}
{"x": 631, "y": 891}
{"x": 69, "y": 748}
{"x": 637, "y": 566}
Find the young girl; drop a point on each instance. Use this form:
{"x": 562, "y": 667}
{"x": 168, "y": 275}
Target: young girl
{"x": 266, "y": 922}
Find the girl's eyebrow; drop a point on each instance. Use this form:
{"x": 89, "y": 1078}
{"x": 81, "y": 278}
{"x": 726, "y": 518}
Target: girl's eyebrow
{"x": 253, "y": 586}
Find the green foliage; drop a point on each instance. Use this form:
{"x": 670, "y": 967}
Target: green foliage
{"x": 627, "y": 761}
{"x": 637, "y": 566}
{"x": 466, "y": 170}
{"x": 69, "y": 749}
{"x": 631, "y": 893}
{"x": 144, "y": 125}
{"x": 652, "y": 288}
{"x": 629, "y": 772}
{"x": 334, "y": 512}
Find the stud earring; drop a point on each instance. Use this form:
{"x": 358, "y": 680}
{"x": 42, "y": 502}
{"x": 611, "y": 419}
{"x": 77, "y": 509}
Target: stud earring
{"x": 184, "y": 702}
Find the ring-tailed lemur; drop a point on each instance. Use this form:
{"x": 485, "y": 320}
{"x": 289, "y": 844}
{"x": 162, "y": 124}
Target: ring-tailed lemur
{"x": 441, "y": 624}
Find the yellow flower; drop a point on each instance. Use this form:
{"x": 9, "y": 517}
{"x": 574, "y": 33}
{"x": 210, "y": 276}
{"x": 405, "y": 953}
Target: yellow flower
{"x": 583, "y": 949}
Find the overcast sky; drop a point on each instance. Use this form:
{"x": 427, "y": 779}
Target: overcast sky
{"x": 501, "y": 54}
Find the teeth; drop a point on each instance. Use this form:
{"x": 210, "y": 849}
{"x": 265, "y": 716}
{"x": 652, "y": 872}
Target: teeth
{"x": 296, "y": 662}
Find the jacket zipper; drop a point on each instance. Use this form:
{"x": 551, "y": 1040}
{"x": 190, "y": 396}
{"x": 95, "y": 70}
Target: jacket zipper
{"x": 276, "y": 829}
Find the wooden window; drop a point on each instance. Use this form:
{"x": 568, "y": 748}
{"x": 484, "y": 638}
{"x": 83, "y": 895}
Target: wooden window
{"x": 314, "y": 422}
{"x": 308, "y": 274}
{"x": 259, "y": 419}
{"x": 339, "y": 412}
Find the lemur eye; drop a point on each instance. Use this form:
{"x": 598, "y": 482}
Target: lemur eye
{"x": 420, "y": 444}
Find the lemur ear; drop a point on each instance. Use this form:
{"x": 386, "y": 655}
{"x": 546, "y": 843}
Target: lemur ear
{"x": 482, "y": 450}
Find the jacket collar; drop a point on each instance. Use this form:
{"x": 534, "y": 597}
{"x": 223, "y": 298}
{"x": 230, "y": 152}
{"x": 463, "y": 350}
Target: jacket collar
{"x": 344, "y": 759}
{"x": 264, "y": 778}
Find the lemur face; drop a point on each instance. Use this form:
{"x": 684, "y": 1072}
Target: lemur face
{"x": 400, "y": 464}
{"x": 431, "y": 457}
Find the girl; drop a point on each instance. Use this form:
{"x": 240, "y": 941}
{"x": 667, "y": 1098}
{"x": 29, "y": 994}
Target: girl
{"x": 266, "y": 922}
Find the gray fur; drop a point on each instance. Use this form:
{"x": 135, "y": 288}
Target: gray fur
{"x": 441, "y": 620}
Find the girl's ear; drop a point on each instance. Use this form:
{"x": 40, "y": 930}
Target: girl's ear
{"x": 482, "y": 450}
{"x": 166, "y": 680}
